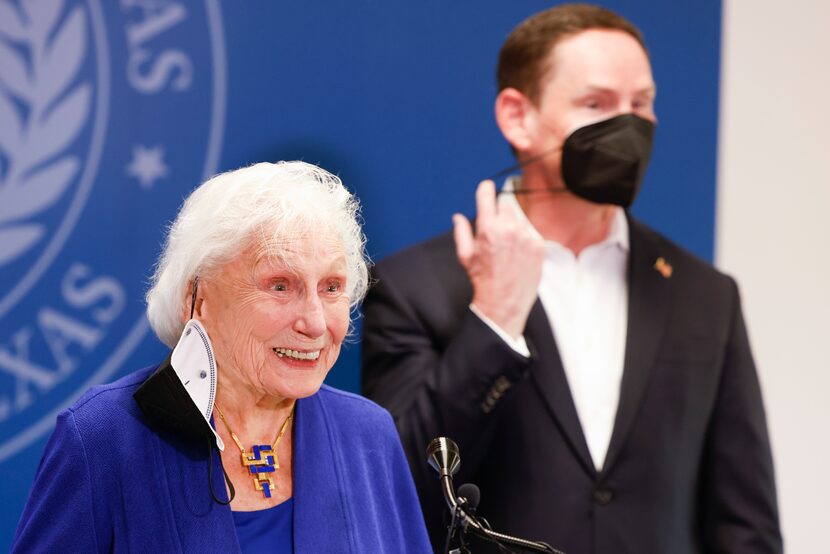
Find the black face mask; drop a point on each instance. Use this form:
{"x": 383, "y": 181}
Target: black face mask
{"x": 605, "y": 162}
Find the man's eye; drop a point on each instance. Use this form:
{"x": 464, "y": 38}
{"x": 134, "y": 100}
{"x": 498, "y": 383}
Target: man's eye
{"x": 592, "y": 103}
{"x": 280, "y": 287}
{"x": 334, "y": 286}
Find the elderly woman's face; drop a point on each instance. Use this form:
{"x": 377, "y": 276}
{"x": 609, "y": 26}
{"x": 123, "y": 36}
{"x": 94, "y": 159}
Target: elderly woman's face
{"x": 277, "y": 325}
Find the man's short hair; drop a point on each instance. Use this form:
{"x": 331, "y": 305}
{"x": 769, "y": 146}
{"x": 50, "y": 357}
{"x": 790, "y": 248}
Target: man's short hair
{"x": 524, "y": 55}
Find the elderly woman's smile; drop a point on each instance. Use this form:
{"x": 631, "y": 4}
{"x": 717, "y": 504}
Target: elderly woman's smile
{"x": 277, "y": 315}
{"x": 296, "y": 354}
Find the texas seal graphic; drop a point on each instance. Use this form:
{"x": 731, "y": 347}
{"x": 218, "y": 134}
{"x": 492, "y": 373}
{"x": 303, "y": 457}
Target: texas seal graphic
{"x": 109, "y": 113}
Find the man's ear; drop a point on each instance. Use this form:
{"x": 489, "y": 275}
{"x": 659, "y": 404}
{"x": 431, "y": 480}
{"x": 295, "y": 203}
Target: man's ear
{"x": 515, "y": 116}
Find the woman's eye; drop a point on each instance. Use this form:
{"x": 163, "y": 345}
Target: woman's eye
{"x": 280, "y": 286}
{"x": 333, "y": 287}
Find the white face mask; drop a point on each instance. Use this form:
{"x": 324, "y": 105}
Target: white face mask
{"x": 195, "y": 366}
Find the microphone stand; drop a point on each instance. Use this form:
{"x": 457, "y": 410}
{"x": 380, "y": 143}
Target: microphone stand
{"x": 444, "y": 457}
{"x": 471, "y": 524}
{"x": 454, "y": 524}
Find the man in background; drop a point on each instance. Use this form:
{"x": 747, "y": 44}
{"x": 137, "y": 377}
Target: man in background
{"x": 597, "y": 378}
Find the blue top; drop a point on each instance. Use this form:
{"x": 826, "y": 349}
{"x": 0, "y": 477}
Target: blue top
{"x": 266, "y": 530}
{"x": 111, "y": 481}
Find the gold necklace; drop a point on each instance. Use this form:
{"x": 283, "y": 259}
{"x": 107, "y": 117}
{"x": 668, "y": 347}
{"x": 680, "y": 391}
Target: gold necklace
{"x": 264, "y": 459}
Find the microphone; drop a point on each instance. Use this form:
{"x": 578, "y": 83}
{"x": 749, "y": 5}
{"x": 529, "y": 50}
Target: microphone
{"x": 469, "y": 496}
{"x": 444, "y": 457}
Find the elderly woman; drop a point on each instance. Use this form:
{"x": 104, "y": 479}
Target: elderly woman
{"x": 234, "y": 443}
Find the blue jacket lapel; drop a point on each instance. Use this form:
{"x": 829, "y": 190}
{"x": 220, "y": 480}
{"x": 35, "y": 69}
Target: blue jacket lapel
{"x": 199, "y": 519}
{"x": 320, "y": 519}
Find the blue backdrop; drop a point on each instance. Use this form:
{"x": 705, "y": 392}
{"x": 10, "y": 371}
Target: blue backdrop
{"x": 110, "y": 112}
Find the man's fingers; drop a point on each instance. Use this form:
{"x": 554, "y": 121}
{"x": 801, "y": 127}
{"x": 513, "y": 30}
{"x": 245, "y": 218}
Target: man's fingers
{"x": 464, "y": 242}
{"x": 485, "y": 204}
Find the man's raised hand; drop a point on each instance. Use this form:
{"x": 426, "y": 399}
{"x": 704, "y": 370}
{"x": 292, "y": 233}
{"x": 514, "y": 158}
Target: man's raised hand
{"x": 503, "y": 260}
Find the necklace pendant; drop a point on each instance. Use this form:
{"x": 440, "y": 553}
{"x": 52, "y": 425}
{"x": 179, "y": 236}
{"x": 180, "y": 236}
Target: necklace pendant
{"x": 261, "y": 464}
{"x": 264, "y": 461}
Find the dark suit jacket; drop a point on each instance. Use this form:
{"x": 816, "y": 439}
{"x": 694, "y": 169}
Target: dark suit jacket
{"x": 688, "y": 467}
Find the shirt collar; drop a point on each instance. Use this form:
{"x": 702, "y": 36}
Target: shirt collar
{"x": 617, "y": 233}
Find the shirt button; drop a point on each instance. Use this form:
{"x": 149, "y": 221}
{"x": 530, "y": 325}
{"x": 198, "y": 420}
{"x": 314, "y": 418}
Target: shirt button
{"x": 603, "y": 496}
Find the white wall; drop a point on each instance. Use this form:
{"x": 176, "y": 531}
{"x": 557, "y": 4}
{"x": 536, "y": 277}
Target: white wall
{"x": 773, "y": 235}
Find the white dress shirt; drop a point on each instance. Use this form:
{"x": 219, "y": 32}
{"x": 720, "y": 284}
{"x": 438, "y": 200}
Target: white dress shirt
{"x": 586, "y": 300}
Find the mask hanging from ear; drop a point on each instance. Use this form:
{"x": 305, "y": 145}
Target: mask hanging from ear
{"x": 605, "y": 162}
{"x": 180, "y": 394}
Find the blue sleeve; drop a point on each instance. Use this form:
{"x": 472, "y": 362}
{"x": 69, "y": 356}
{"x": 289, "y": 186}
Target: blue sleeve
{"x": 58, "y": 516}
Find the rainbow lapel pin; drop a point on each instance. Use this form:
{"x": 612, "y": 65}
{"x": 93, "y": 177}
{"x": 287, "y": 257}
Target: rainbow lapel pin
{"x": 663, "y": 267}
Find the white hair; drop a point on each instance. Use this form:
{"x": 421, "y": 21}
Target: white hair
{"x": 225, "y": 214}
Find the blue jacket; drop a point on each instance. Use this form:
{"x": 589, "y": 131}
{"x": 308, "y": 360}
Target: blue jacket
{"x": 111, "y": 481}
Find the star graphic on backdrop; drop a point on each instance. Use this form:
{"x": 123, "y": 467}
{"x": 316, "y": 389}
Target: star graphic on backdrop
{"x": 147, "y": 165}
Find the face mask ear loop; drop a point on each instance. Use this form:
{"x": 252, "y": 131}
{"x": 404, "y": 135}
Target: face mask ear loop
{"x": 513, "y": 168}
{"x": 210, "y": 478}
{"x": 193, "y": 296}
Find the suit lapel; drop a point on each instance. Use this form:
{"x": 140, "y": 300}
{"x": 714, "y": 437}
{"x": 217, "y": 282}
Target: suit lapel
{"x": 549, "y": 375}
{"x": 649, "y": 299}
